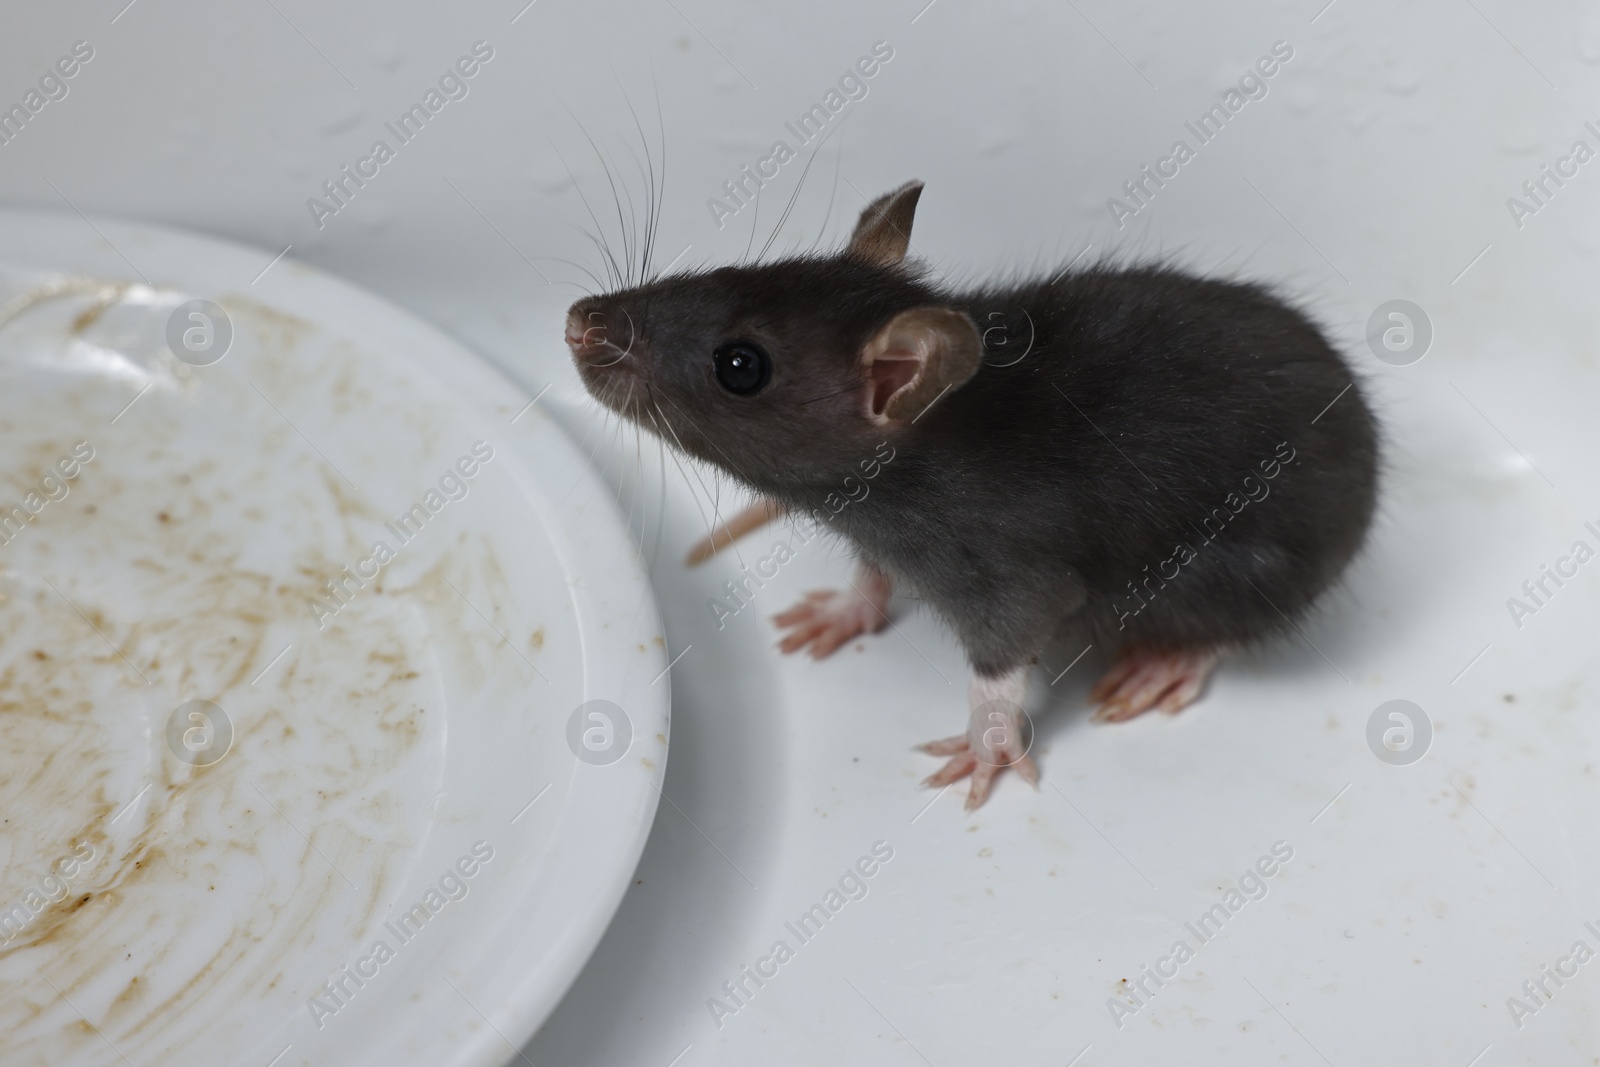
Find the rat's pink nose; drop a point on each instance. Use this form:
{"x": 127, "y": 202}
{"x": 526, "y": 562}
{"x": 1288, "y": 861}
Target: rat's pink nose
{"x": 576, "y": 328}
{"x": 586, "y": 333}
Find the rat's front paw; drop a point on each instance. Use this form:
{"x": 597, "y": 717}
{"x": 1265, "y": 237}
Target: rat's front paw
{"x": 826, "y": 619}
{"x": 983, "y": 763}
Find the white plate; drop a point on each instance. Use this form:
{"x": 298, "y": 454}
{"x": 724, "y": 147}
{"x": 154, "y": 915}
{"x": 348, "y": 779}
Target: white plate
{"x": 376, "y": 748}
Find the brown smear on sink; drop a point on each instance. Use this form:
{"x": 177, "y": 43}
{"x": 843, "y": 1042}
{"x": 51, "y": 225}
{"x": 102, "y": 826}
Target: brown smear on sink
{"x": 205, "y": 880}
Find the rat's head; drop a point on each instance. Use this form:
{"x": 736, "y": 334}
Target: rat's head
{"x": 782, "y": 373}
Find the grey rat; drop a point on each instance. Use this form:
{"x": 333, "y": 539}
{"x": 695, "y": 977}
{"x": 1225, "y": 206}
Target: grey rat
{"x": 1159, "y": 465}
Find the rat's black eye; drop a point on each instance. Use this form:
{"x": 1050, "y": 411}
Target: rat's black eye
{"x": 743, "y": 369}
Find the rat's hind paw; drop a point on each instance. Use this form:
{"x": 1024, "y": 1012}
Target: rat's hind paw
{"x": 1146, "y": 678}
{"x": 963, "y": 762}
{"x": 826, "y": 619}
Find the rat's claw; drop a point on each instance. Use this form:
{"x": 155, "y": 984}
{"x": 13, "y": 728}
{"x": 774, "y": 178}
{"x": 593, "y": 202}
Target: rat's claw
{"x": 1144, "y": 678}
{"x": 1113, "y": 678}
{"x": 982, "y": 778}
{"x": 983, "y": 775}
{"x": 1116, "y": 711}
{"x": 964, "y": 762}
{"x": 826, "y": 619}
{"x": 1184, "y": 693}
{"x": 960, "y": 765}
{"x": 949, "y": 746}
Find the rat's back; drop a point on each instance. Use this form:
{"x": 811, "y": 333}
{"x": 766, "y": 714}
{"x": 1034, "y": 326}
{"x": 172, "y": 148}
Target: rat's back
{"x": 1201, "y": 458}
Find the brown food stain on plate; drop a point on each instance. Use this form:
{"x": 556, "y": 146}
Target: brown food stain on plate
{"x": 185, "y": 560}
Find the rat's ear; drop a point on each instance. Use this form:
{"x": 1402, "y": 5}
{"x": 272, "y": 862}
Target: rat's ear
{"x": 884, "y": 232}
{"x": 915, "y": 359}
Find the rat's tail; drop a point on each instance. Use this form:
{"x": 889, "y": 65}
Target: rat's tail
{"x": 749, "y": 520}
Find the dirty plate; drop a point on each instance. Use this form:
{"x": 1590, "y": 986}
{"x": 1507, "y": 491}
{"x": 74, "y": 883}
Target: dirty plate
{"x": 327, "y": 725}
